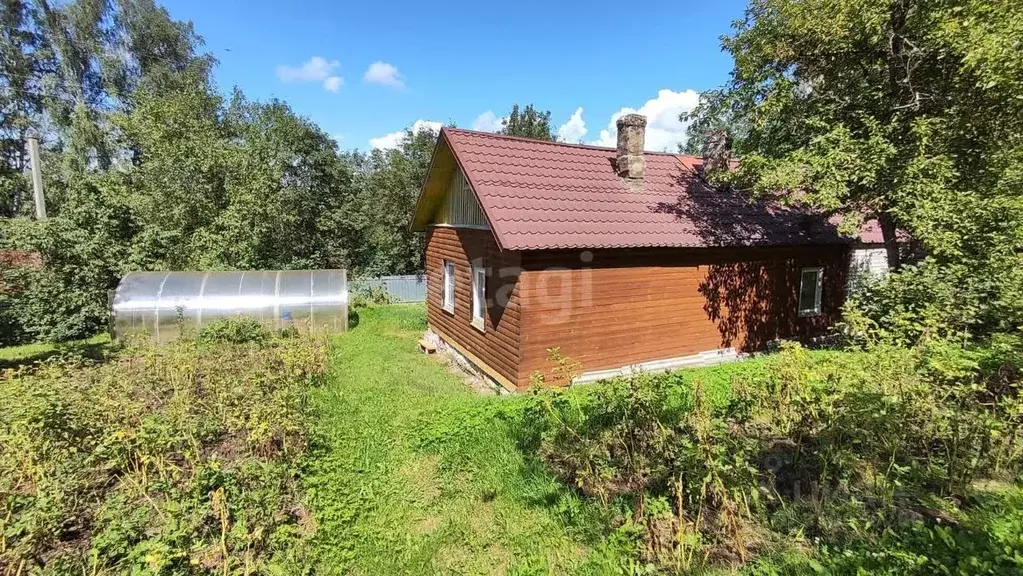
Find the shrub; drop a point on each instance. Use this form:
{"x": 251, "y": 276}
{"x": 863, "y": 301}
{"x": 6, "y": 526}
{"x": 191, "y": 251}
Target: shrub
{"x": 93, "y": 240}
{"x": 180, "y": 459}
{"x": 663, "y": 449}
{"x": 931, "y": 301}
{"x": 234, "y": 330}
{"x": 368, "y": 294}
{"x": 837, "y": 448}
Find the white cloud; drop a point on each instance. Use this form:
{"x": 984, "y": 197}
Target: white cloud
{"x": 333, "y": 83}
{"x": 664, "y": 131}
{"x": 393, "y": 139}
{"x": 385, "y": 74}
{"x": 573, "y": 131}
{"x": 487, "y": 122}
{"x": 316, "y": 69}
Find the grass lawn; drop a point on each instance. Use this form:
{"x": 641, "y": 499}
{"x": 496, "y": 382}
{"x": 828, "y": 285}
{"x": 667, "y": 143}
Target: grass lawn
{"x": 408, "y": 471}
{"x": 13, "y": 356}
{"x": 412, "y": 473}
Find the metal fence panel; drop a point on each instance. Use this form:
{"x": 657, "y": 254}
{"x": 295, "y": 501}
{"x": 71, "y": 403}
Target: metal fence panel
{"x": 400, "y": 289}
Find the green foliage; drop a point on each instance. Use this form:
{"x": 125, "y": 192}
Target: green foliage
{"x": 97, "y": 348}
{"x": 84, "y": 250}
{"x": 927, "y": 301}
{"x": 883, "y": 109}
{"x": 147, "y": 166}
{"x": 985, "y": 538}
{"x": 389, "y": 184}
{"x": 851, "y": 453}
{"x": 234, "y": 330}
{"x": 528, "y": 123}
{"x": 179, "y": 459}
{"x": 363, "y": 295}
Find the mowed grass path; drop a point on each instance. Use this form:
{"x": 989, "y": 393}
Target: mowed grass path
{"x": 412, "y": 473}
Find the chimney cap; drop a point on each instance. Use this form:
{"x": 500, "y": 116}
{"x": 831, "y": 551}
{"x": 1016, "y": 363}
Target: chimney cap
{"x": 637, "y": 120}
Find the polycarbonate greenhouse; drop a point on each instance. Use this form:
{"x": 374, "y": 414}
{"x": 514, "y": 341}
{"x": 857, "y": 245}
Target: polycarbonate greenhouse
{"x": 166, "y": 303}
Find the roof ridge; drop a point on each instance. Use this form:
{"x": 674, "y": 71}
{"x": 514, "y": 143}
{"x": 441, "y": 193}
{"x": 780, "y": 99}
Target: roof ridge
{"x": 561, "y": 144}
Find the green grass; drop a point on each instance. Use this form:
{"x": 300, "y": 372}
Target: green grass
{"x": 13, "y": 356}
{"x": 412, "y": 473}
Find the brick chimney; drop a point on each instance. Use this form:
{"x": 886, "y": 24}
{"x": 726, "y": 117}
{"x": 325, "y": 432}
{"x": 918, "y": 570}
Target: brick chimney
{"x": 717, "y": 151}
{"x": 631, "y": 134}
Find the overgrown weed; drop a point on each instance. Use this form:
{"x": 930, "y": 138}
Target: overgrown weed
{"x": 802, "y": 452}
{"x": 175, "y": 459}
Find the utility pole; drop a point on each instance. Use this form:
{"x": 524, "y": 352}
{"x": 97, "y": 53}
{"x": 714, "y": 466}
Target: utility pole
{"x": 37, "y": 176}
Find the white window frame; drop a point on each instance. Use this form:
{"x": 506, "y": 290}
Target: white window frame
{"x": 479, "y": 297}
{"x": 448, "y": 287}
{"x": 816, "y": 310}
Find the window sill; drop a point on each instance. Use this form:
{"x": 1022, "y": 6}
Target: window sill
{"x": 810, "y": 314}
{"x": 449, "y": 310}
{"x": 478, "y": 324}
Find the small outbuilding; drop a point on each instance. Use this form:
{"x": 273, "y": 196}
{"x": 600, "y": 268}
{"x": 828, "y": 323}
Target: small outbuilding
{"x": 622, "y": 259}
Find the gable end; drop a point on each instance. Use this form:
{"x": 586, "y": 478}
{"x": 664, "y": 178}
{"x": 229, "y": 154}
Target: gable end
{"x": 448, "y": 197}
{"x": 460, "y": 207}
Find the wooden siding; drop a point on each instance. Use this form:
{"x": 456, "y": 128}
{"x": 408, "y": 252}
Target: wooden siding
{"x": 609, "y": 309}
{"x": 497, "y": 347}
{"x": 460, "y": 207}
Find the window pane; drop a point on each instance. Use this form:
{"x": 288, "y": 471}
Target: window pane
{"x": 449, "y": 285}
{"x": 478, "y": 288}
{"x": 809, "y": 290}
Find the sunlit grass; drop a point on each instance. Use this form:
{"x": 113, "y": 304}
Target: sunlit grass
{"x": 412, "y": 473}
{"x": 28, "y": 353}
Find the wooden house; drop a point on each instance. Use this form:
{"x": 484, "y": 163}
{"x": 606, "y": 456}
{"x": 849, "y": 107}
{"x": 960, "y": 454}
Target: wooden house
{"x": 621, "y": 259}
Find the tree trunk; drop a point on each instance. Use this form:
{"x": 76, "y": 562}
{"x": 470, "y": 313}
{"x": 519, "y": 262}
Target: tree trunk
{"x": 891, "y": 244}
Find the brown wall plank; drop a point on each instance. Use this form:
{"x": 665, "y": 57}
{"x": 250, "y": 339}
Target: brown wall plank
{"x": 611, "y": 308}
{"x": 499, "y": 344}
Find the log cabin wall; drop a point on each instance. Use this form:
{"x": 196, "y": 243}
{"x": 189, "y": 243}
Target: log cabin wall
{"x": 614, "y": 308}
{"x": 495, "y": 349}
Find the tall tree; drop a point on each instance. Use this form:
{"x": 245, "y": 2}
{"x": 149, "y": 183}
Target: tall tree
{"x": 905, "y": 110}
{"x": 148, "y": 166}
{"x": 19, "y": 101}
{"x": 67, "y": 67}
{"x": 392, "y": 181}
{"x": 289, "y": 196}
{"x": 528, "y": 123}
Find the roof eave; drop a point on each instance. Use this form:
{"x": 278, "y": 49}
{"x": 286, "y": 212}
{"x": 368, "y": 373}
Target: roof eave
{"x": 418, "y": 223}
{"x": 479, "y": 199}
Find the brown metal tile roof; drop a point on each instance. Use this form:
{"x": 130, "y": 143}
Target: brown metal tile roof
{"x": 547, "y": 195}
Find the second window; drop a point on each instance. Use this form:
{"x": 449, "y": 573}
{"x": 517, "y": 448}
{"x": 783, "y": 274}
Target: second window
{"x": 479, "y": 296}
{"x": 810, "y": 281}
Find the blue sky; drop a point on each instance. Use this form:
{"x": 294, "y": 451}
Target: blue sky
{"x": 365, "y": 70}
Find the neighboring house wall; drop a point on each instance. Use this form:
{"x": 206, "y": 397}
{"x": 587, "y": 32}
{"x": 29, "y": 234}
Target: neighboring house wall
{"x": 628, "y": 307}
{"x": 867, "y": 260}
{"x": 495, "y": 350}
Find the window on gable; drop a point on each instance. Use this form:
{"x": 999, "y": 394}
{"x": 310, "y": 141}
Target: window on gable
{"x": 448, "y": 301}
{"x": 810, "y": 283}
{"x": 479, "y": 296}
